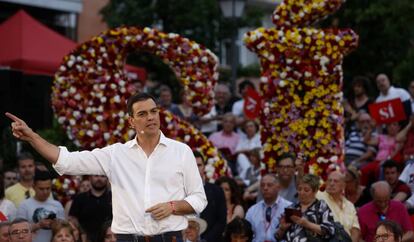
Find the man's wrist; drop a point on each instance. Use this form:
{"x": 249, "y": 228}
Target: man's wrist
{"x": 172, "y": 205}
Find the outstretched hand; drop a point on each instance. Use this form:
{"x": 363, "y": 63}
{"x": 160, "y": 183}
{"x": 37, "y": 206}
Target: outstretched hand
{"x": 20, "y": 129}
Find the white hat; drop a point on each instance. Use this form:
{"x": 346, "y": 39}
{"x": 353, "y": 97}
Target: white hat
{"x": 201, "y": 222}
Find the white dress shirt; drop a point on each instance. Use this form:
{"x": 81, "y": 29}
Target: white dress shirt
{"x": 139, "y": 182}
{"x": 393, "y": 93}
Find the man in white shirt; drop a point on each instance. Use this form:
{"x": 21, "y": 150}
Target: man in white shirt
{"x": 389, "y": 92}
{"x": 154, "y": 179}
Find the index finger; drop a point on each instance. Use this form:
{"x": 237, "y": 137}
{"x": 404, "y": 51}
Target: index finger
{"x": 12, "y": 117}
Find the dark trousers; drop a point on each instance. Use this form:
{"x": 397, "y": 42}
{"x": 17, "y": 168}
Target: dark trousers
{"x": 175, "y": 236}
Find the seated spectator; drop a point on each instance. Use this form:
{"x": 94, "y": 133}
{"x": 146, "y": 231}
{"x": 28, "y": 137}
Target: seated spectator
{"x": 388, "y": 231}
{"x": 10, "y": 178}
{"x": 253, "y": 172}
{"x": 4, "y": 231}
{"x": 247, "y": 142}
{"x": 381, "y": 208}
{"x": 226, "y": 140}
{"x": 357, "y": 194}
{"x": 7, "y": 208}
{"x": 238, "y": 230}
{"x": 232, "y": 196}
{"x": 238, "y": 106}
{"x": 41, "y": 210}
{"x": 264, "y": 215}
{"x": 165, "y": 99}
{"x": 285, "y": 170}
{"x": 24, "y": 188}
{"x": 62, "y": 231}
{"x": 343, "y": 210}
{"x": 400, "y": 190}
{"x": 389, "y": 146}
{"x": 184, "y": 110}
{"x": 105, "y": 234}
{"x": 20, "y": 231}
{"x": 316, "y": 222}
{"x": 357, "y": 152}
{"x": 196, "y": 226}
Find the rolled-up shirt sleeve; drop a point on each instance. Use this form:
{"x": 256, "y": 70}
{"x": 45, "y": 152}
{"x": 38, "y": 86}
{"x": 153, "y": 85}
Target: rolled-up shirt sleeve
{"x": 95, "y": 162}
{"x": 193, "y": 185}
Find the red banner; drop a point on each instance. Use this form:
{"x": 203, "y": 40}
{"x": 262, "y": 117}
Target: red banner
{"x": 388, "y": 111}
{"x": 252, "y": 104}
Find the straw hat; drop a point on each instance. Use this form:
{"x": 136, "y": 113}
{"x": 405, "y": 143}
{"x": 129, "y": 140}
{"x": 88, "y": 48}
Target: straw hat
{"x": 201, "y": 222}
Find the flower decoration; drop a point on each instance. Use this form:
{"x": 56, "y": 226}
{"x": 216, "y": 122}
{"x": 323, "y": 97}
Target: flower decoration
{"x": 65, "y": 187}
{"x": 301, "y": 83}
{"x": 178, "y": 129}
{"x": 91, "y": 88}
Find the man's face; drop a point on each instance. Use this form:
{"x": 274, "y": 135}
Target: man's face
{"x": 335, "y": 184}
{"x": 269, "y": 187}
{"x": 146, "y": 118}
{"x": 99, "y": 182}
{"x": 4, "y": 234}
{"x": 381, "y": 199}
{"x": 383, "y": 83}
{"x": 10, "y": 178}
{"x": 391, "y": 175}
{"x": 165, "y": 98}
{"x": 201, "y": 167}
{"x": 42, "y": 190}
{"x": 286, "y": 169}
{"x": 20, "y": 232}
{"x": 191, "y": 232}
{"x": 221, "y": 95}
{"x": 26, "y": 169}
{"x": 228, "y": 123}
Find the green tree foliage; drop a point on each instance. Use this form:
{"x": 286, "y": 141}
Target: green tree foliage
{"x": 386, "y": 38}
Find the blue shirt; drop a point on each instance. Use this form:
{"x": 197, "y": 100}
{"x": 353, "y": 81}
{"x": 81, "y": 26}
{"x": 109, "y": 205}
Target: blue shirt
{"x": 256, "y": 215}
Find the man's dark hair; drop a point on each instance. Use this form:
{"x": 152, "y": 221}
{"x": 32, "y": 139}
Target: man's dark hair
{"x": 244, "y": 84}
{"x": 25, "y": 156}
{"x": 285, "y": 156}
{"x": 197, "y": 154}
{"x": 138, "y": 97}
{"x": 390, "y": 164}
{"x": 238, "y": 226}
{"x": 42, "y": 176}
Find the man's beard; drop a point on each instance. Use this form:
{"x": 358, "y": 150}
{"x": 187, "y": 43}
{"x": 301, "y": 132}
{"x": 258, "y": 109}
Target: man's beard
{"x": 99, "y": 187}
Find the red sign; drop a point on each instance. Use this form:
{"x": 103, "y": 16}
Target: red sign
{"x": 252, "y": 104}
{"x": 388, "y": 111}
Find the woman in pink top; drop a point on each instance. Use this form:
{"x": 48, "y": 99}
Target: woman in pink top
{"x": 389, "y": 146}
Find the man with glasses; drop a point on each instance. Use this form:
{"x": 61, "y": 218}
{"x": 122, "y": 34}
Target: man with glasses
{"x": 154, "y": 179}
{"x": 24, "y": 188}
{"x": 285, "y": 170}
{"x": 20, "y": 231}
{"x": 264, "y": 216}
{"x": 383, "y": 208}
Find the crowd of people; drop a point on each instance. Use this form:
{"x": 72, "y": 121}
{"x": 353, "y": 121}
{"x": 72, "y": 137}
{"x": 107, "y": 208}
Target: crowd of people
{"x": 370, "y": 198}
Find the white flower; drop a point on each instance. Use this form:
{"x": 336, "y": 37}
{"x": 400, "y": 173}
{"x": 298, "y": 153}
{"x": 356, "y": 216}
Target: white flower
{"x": 151, "y": 43}
{"x": 72, "y": 90}
{"x": 102, "y": 49}
{"x": 283, "y": 75}
{"x": 308, "y": 74}
{"x": 282, "y": 83}
{"x": 195, "y": 59}
{"x": 72, "y": 122}
{"x": 187, "y": 138}
{"x": 334, "y": 159}
{"x": 61, "y": 120}
{"x": 76, "y": 114}
{"x": 89, "y": 133}
{"x": 88, "y": 110}
{"x": 107, "y": 136}
{"x": 263, "y": 79}
{"x": 117, "y": 99}
{"x": 95, "y": 127}
{"x": 70, "y": 63}
{"x": 99, "y": 118}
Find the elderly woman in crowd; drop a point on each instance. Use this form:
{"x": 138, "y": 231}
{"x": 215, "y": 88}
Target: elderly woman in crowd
{"x": 388, "y": 231}
{"x": 313, "y": 220}
{"x": 62, "y": 231}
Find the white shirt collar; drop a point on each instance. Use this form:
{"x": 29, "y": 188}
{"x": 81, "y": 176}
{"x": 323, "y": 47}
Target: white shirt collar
{"x": 134, "y": 142}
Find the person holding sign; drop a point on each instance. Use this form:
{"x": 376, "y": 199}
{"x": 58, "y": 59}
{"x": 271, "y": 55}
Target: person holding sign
{"x": 154, "y": 179}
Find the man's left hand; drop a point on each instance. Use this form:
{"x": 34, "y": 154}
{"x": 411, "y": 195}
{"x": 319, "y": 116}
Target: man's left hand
{"x": 160, "y": 211}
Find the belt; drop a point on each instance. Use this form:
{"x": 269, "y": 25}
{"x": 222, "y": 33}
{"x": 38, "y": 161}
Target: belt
{"x": 173, "y": 236}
